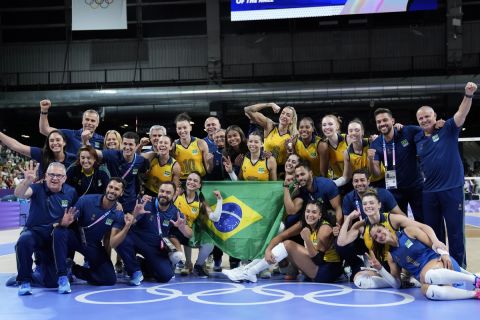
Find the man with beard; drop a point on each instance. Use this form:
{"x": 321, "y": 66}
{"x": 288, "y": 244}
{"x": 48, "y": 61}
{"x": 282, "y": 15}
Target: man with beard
{"x": 396, "y": 150}
{"x": 149, "y": 237}
{"x": 49, "y": 202}
{"x": 96, "y": 219}
{"x": 90, "y": 121}
{"x": 128, "y": 165}
{"x": 442, "y": 167}
{"x": 312, "y": 188}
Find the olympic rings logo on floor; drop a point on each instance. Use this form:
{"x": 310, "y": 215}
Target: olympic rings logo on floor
{"x": 274, "y": 291}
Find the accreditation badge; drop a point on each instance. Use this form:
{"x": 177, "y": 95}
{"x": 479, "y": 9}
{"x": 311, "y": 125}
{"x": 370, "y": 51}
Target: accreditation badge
{"x": 391, "y": 179}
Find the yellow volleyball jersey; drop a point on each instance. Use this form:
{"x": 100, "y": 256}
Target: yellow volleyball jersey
{"x": 190, "y": 210}
{"x": 335, "y": 157}
{"x": 275, "y": 143}
{"x": 309, "y": 153}
{"x": 385, "y": 221}
{"x": 360, "y": 161}
{"x": 190, "y": 158}
{"x": 331, "y": 254}
{"x": 159, "y": 173}
{"x": 255, "y": 172}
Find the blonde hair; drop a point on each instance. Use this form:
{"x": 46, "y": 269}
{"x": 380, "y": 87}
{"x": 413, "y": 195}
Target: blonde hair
{"x": 117, "y": 135}
{"x": 292, "y": 128}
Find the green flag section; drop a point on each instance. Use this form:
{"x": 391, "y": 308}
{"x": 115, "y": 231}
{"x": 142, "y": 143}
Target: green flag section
{"x": 251, "y": 216}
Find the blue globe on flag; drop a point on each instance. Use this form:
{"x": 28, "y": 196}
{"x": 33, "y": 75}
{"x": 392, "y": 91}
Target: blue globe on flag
{"x": 230, "y": 218}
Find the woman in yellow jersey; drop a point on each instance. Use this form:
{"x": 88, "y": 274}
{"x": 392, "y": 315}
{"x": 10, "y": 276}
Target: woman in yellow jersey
{"x": 310, "y": 147}
{"x": 193, "y": 205}
{"x": 336, "y": 144}
{"x": 371, "y": 206}
{"x": 318, "y": 259}
{"x": 277, "y": 135}
{"x": 255, "y": 166}
{"x": 163, "y": 167}
{"x": 355, "y": 157}
{"x": 190, "y": 152}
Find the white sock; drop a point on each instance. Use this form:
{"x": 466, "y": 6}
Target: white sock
{"x": 367, "y": 281}
{"x": 435, "y": 292}
{"x": 446, "y": 276}
{"x": 257, "y": 267}
{"x": 203, "y": 253}
{"x": 279, "y": 252}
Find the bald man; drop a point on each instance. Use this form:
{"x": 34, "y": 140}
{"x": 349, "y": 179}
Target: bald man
{"x": 212, "y": 124}
{"x": 442, "y": 167}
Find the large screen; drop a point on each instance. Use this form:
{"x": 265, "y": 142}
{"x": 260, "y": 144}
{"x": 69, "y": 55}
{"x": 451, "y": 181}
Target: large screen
{"x": 243, "y": 10}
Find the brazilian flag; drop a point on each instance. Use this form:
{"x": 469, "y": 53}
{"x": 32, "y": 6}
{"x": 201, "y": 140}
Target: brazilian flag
{"x": 251, "y": 216}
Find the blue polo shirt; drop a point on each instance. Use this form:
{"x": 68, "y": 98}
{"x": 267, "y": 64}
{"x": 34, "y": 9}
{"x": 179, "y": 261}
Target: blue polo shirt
{"x": 74, "y": 140}
{"x": 93, "y": 184}
{"x": 212, "y": 147}
{"x": 323, "y": 188}
{"x": 37, "y": 154}
{"x": 352, "y": 201}
{"x": 118, "y": 166}
{"x": 406, "y": 165}
{"x": 46, "y": 207}
{"x": 146, "y": 226}
{"x": 90, "y": 210}
{"x": 440, "y": 159}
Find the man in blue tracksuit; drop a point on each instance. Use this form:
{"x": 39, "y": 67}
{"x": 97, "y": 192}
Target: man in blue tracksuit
{"x": 50, "y": 200}
{"x": 160, "y": 219}
{"x": 442, "y": 167}
{"x": 96, "y": 215}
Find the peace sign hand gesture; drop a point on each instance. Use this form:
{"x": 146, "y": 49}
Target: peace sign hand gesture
{"x": 373, "y": 260}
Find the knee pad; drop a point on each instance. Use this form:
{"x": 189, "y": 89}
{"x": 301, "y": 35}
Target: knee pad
{"x": 176, "y": 257}
{"x": 279, "y": 252}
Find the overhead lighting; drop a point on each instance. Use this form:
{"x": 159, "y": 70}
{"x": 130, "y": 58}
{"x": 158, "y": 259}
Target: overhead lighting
{"x": 192, "y": 123}
{"x": 25, "y": 136}
{"x": 463, "y": 129}
{"x": 124, "y": 125}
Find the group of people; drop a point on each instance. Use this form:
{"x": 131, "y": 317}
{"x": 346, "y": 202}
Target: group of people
{"x": 345, "y": 197}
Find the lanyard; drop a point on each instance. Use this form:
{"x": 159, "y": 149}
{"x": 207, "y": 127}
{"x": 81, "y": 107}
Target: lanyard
{"x": 131, "y": 166}
{"x": 384, "y": 146}
{"x": 100, "y": 219}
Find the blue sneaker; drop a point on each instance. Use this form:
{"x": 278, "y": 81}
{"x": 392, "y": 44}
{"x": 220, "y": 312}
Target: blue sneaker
{"x": 12, "y": 282}
{"x": 64, "y": 285}
{"x": 136, "y": 278}
{"x": 25, "y": 289}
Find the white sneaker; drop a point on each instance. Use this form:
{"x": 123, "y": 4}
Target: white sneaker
{"x": 248, "y": 275}
{"x": 235, "y": 275}
{"x": 265, "y": 274}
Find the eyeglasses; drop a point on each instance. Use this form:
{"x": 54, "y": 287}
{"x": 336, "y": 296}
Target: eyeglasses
{"x": 55, "y": 176}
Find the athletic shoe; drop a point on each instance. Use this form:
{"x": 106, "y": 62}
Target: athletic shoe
{"x": 180, "y": 265}
{"x": 199, "y": 271}
{"x": 64, "y": 285}
{"x": 217, "y": 267}
{"x": 187, "y": 269}
{"x": 248, "y": 275}
{"x": 119, "y": 267}
{"x": 12, "y": 282}
{"x": 209, "y": 264}
{"x": 25, "y": 289}
{"x": 265, "y": 274}
{"x": 235, "y": 275}
{"x": 136, "y": 278}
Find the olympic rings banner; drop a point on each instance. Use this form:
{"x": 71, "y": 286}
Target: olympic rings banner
{"x": 99, "y": 14}
{"x": 251, "y": 216}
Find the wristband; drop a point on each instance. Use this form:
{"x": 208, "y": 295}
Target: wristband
{"x": 44, "y": 112}
{"x": 469, "y": 96}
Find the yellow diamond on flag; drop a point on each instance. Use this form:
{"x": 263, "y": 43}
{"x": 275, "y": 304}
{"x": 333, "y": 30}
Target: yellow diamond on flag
{"x": 236, "y": 216}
